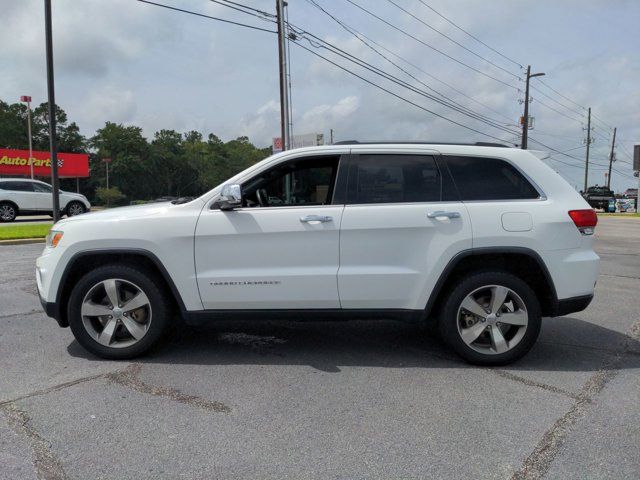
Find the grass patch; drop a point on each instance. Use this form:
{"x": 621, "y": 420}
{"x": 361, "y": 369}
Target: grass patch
{"x": 14, "y": 232}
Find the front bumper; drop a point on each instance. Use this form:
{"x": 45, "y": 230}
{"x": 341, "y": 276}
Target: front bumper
{"x": 52, "y": 310}
{"x": 572, "y": 305}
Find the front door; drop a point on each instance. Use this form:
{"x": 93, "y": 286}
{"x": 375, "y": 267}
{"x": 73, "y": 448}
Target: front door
{"x": 280, "y": 250}
{"x": 401, "y": 225}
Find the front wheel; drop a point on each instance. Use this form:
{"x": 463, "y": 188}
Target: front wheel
{"x": 491, "y": 318}
{"x": 118, "y": 312}
{"x": 75, "y": 208}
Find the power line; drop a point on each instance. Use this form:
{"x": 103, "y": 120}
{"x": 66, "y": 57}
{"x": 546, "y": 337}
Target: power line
{"x": 240, "y": 6}
{"x": 337, "y": 51}
{"x": 469, "y": 34}
{"x": 360, "y": 36}
{"x": 558, "y": 111}
{"x": 395, "y": 94}
{"x": 190, "y": 12}
{"x": 357, "y": 34}
{"x": 554, "y": 100}
{"x": 453, "y": 40}
{"x": 431, "y": 46}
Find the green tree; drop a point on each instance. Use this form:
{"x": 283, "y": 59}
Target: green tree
{"x": 130, "y": 168}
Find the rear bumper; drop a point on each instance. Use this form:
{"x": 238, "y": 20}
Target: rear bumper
{"x": 572, "y": 305}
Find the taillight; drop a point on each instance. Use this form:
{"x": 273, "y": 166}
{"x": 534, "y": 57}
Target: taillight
{"x": 585, "y": 220}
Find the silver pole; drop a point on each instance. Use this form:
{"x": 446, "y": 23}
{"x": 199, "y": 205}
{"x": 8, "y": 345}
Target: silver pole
{"x": 286, "y": 144}
{"x": 30, "y": 141}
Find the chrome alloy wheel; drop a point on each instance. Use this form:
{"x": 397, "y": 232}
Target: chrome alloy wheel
{"x": 7, "y": 212}
{"x": 116, "y": 313}
{"x": 492, "y": 319}
{"x": 75, "y": 209}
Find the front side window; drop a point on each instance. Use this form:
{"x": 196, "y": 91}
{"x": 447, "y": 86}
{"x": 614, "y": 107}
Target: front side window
{"x": 480, "y": 178}
{"x": 394, "y": 178}
{"x": 42, "y": 188}
{"x": 296, "y": 183}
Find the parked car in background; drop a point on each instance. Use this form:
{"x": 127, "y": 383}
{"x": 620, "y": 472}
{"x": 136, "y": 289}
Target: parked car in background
{"x": 600, "y": 197}
{"x": 19, "y": 196}
{"x": 485, "y": 241}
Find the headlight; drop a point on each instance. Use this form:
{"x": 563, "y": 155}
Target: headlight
{"x": 53, "y": 238}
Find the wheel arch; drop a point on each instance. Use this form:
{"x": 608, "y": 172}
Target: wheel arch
{"x": 520, "y": 261}
{"x": 83, "y": 262}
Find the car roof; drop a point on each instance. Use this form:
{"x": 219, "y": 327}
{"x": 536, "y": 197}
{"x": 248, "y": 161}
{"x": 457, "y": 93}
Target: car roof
{"x": 20, "y": 180}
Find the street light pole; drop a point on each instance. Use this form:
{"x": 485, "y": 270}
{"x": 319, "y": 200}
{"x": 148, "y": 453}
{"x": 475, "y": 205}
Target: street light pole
{"x": 282, "y": 57}
{"x": 27, "y": 100}
{"x": 525, "y": 117}
{"x": 52, "y": 111}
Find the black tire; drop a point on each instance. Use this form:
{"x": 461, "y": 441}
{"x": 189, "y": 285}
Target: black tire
{"x": 8, "y": 212}
{"x": 75, "y": 208}
{"x": 448, "y": 321}
{"x": 149, "y": 285}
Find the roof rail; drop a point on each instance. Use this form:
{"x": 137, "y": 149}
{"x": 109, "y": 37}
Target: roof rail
{"x": 476, "y": 144}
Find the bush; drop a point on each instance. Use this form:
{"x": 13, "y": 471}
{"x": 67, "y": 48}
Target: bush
{"x": 138, "y": 202}
{"x": 110, "y": 196}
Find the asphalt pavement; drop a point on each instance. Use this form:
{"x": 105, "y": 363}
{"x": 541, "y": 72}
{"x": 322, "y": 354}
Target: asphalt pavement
{"x": 324, "y": 400}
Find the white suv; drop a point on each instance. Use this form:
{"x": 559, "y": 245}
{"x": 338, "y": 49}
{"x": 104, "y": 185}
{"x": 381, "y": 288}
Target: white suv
{"x": 485, "y": 240}
{"x": 19, "y": 196}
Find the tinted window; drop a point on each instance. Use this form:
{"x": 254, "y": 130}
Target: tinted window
{"x": 480, "y": 178}
{"x": 301, "y": 182}
{"x": 41, "y": 187}
{"x": 17, "y": 186}
{"x": 389, "y": 178}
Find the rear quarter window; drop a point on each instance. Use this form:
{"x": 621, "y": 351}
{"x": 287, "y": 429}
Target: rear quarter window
{"x": 484, "y": 178}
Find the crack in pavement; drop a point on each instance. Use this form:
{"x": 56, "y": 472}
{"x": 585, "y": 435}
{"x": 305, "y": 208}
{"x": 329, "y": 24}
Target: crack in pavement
{"x": 129, "y": 378}
{"x": 48, "y": 467}
{"x": 537, "y": 464}
{"x": 54, "y": 388}
{"x": 532, "y": 383}
{"x": 31, "y": 312}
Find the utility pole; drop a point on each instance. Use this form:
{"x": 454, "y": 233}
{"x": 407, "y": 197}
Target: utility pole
{"x": 586, "y": 160}
{"x": 331, "y": 136}
{"x": 611, "y": 157}
{"x": 282, "y": 56}
{"x": 525, "y": 117}
{"x": 27, "y": 100}
{"x": 53, "y": 148}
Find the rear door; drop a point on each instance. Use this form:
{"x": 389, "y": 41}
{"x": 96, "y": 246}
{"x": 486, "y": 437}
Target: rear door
{"x": 23, "y": 195}
{"x": 401, "y": 225}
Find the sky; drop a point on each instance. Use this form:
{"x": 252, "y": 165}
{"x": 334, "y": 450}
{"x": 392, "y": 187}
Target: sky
{"x": 138, "y": 64}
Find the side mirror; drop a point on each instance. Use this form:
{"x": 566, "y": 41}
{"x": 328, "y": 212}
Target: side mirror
{"x": 231, "y": 197}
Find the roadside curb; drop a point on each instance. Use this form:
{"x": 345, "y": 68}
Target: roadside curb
{"x": 22, "y": 241}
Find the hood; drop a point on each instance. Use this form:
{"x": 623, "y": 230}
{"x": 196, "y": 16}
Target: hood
{"x": 120, "y": 213}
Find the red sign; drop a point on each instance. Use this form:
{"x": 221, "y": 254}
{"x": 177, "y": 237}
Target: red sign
{"x": 25, "y": 98}
{"x": 16, "y": 162}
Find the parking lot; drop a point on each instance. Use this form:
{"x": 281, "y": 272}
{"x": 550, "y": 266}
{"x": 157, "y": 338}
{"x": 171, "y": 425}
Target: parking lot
{"x": 325, "y": 400}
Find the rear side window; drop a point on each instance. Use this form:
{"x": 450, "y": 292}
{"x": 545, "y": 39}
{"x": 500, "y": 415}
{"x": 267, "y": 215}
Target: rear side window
{"x": 480, "y": 178}
{"x": 387, "y": 178}
{"x": 17, "y": 186}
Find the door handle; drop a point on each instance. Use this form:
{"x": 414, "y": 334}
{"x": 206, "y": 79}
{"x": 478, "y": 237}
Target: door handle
{"x": 316, "y": 218}
{"x": 442, "y": 213}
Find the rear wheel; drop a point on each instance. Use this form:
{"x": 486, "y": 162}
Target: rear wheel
{"x": 118, "y": 312}
{"x": 491, "y": 318}
{"x": 8, "y": 212}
